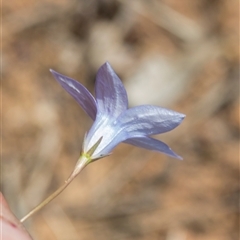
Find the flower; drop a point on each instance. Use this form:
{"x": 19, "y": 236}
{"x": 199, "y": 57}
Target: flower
{"x": 114, "y": 122}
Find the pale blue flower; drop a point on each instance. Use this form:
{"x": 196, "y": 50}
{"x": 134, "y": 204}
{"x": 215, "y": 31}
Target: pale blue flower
{"x": 114, "y": 122}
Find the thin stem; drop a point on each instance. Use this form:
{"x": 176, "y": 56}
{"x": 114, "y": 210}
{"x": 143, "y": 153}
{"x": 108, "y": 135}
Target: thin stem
{"x": 47, "y": 200}
{"x": 79, "y": 166}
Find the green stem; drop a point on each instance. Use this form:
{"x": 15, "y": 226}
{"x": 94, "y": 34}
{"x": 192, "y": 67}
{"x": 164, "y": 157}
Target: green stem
{"x": 82, "y": 162}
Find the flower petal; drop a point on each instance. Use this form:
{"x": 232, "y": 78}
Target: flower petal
{"x": 79, "y": 92}
{"x": 148, "y": 120}
{"x": 134, "y": 123}
{"x": 110, "y": 93}
{"x": 152, "y": 144}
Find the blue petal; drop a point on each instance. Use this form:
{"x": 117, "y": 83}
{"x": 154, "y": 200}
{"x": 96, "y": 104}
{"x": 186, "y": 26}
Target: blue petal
{"x": 134, "y": 123}
{"x": 79, "y": 92}
{"x": 110, "y": 93}
{"x": 152, "y": 144}
{"x": 148, "y": 120}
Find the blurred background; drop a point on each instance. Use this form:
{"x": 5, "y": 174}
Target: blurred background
{"x": 177, "y": 54}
